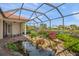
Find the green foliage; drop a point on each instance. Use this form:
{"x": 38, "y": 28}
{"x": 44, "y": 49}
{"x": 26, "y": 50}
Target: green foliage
{"x": 64, "y": 37}
{"x": 28, "y": 31}
{"x": 74, "y": 48}
{"x": 33, "y": 33}
{"x": 43, "y": 34}
{"x": 69, "y": 41}
{"x": 12, "y": 46}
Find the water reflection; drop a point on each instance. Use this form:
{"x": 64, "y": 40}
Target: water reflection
{"x": 33, "y": 51}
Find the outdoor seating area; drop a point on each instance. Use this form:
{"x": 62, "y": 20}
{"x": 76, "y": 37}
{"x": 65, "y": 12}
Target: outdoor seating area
{"x": 39, "y": 29}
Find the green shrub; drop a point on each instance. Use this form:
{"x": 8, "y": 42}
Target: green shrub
{"x": 43, "y": 34}
{"x": 28, "y": 31}
{"x": 64, "y": 37}
{"x": 33, "y": 33}
{"x": 74, "y": 48}
{"x": 12, "y": 46}
{"x": 69, "y": 41}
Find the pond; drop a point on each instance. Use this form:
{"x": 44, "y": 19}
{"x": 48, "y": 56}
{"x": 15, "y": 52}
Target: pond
{"x": 28, "y": 49}
{"x": 33, "y": 51}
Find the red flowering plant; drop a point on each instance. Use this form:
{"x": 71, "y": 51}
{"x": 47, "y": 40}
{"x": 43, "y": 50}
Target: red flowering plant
{"x": 52, "y": 35}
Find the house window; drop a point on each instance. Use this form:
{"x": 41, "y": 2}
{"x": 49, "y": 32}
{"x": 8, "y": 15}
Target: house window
{"x": 9, "y": 28}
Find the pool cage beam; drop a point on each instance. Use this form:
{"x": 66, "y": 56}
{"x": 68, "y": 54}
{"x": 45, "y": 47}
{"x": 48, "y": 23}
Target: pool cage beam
{"x": 50, "y": 10}
{"x": 11, "y": 14}
{"x": 1, "y": 12}
{"x": 38, "y": 15}
{"x": 37, "y": 12}
{"x": 54, "y": 8}
{"x": 28, "y": 10}
{"x": 59, "y": 13}
{"x": 21, "y": 10}
{"x": 14, "y": 13}
{"x": 38, "y": 18}
{"x": 54, "y": 18}
{"x": 63, "y": 16}
{"x": 15, "y": 9}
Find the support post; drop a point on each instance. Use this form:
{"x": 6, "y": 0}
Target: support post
{"x": 63, "y": 25}
{"x": 25, "y": 28}
{"x": 50, "y": 24}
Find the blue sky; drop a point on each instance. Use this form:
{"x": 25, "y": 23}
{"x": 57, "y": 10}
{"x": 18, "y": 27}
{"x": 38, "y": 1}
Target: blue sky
{"x": 66, "y": 9}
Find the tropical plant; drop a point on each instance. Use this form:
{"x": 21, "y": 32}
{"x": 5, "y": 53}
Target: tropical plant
{"x": 28, "y": 31}
{"x": 52, "y": 35}
{"x": 33, "y": 33}
{"x": 69, "y": 41}
{"x": 12, "y": 46}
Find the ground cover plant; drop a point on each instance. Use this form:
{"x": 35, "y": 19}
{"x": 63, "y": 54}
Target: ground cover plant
{"x": 69, "y": 41}
{"x": 12, "y": 46}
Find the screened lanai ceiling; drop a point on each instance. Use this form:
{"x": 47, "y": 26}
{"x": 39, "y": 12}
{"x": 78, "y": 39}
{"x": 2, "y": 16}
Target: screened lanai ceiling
{"x": 52, "y": 14}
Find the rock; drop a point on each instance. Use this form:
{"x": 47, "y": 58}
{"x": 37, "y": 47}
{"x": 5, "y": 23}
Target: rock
{"x": 16, "y": 53}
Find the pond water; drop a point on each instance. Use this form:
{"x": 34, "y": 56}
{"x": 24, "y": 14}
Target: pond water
{"x": 33, "y": 51}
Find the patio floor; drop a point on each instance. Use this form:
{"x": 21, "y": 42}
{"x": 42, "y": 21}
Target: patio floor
{"x": 3, "y": 42}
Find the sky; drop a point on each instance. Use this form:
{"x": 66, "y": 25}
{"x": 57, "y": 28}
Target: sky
{"x": 65, "y": 9}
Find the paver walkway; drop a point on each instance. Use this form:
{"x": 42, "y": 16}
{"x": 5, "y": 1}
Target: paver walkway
{"x": 3, "y": 52}
{"x": 3, "y": 42}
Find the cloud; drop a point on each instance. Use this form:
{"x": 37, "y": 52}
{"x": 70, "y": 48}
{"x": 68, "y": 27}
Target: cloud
{"x": 41, "y": 17}
{"x": 35, "y": 4}
{"x": 76, "y": 16}
{"x": 75, "y": 11}
{"x": 32, "y": 17}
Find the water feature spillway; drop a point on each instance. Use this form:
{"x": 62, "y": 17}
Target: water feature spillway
{"x": 33, "y": 51}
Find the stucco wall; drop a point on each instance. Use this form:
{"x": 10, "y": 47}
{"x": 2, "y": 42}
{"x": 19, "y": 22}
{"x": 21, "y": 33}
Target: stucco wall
{"x": 1, "y": 29}
{"x": 22, "y": 28}
{"x": 15, "y": 28}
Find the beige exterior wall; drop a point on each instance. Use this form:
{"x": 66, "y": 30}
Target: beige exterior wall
{"x": 22, "y": 28}
{"x": 15, "y": 28}
{"x": 1, "y": 29}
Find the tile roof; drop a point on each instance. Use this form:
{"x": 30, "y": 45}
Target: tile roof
{"x": 15, "y": 16}
{"x": 9, "y": 16}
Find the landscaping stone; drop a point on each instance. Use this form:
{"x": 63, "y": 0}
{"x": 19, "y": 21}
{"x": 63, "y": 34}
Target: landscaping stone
{"x": 16, "y": 53}
{"x": 33, "y": 51}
